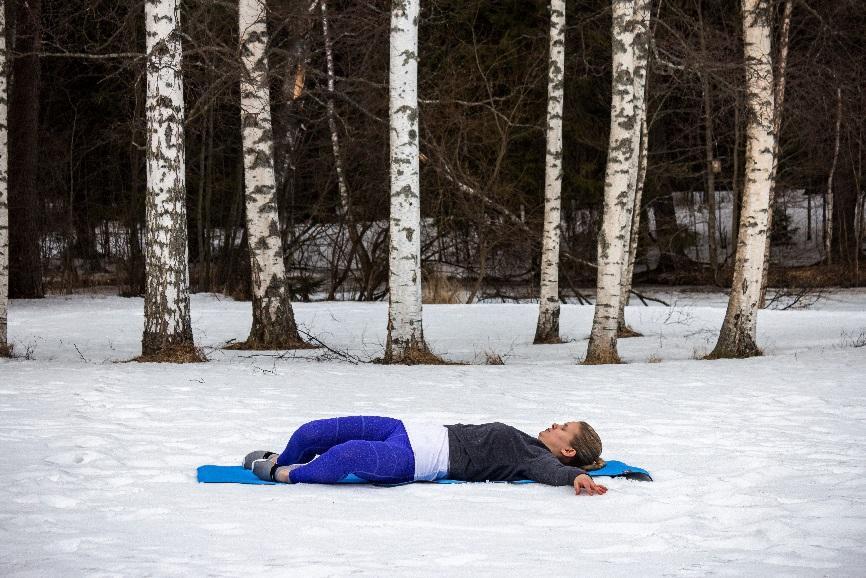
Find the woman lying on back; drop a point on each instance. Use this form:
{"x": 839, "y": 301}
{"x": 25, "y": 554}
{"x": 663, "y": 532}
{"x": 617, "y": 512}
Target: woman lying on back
{"x": 389, "y": 451}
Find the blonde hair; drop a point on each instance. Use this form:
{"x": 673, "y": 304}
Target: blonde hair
{"x": 587, "y": 449}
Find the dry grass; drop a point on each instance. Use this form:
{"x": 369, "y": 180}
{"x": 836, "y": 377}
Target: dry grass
{"x": 283, "y": 345}
{"x": 654, "y": 358}
{"x": 814, "y": 276}
{"x": 713, "y": 355}
{"x": 440, "y": 289}
{"x": 174, "y": 354}
{"x": 413, "y": 356}
{"x": 549, "y": 340}
{"x": 8, "y": 351}
{"x": 493, "y": 358}
{"x": 625, "y": 332}
{"x": 608, "y": 358}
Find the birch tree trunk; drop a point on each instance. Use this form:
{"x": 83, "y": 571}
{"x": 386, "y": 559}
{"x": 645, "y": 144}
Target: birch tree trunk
{"x": 641, "y": 46}
{"x": 828, "y": 196}
{"x": 167, "y": 327}
{"x": 738, "y": 334}
{"x": 4, "y": 190}
{"x": 620, "y": 179}
{"x": 405, "y": 342}
{"x": 547, "y": 329}
{"x": 273, "y": 319}
{"x": 781, "y": 75}
{"x": 624, "y": 330}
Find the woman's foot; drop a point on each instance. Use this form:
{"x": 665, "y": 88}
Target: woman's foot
{"x": 281, "y": 474}
{"x": 269, "y": 471}
{"x": 259, "y": 455}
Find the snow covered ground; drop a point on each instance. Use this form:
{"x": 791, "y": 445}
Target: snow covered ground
{"x": 759, "y": 463}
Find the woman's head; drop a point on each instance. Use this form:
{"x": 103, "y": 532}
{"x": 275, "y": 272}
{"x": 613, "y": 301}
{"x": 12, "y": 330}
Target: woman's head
{"x": 587, "y": 448}
{"x": 574, "y": 443}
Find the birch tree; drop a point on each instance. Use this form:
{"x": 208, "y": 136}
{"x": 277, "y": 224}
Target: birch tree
{"x": 738, "y": 334}
{"x": 643, "y": 37}
{"x": 828, "y": 195}
{"x": 629, "y": 50}
{"x": 167, "y": 326}
{"x": 405, "y": 342}
{"x": 781, "y": 70}
{"x": 547, "y": 329}
{"x": 627, "y": 279}
{"x": 4, "y": 190}
{"x": 273, "y": 324}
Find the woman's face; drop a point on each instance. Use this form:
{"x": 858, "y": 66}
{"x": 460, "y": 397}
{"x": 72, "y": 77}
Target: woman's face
{"x": 558, "y": 438}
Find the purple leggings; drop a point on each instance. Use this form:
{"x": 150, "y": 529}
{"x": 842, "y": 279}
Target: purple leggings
{"x": 372, "y": 448}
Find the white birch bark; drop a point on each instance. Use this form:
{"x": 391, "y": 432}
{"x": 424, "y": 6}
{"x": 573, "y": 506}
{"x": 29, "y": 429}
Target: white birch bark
{"x": 167, "y": 326}
{"x": 624, "y": 330}
{"x": 781, "y": 69}
{"x": 620, "y": 178}
{"x": 4, "y": 189}
{"x": 273, "y": 324}
{"x": 641, "y": 55}
{"x": 547, "y": 329}
{"x": 405, "y": 333}
{"x": 828, "y": 198}
{"x": 738, "y": 334}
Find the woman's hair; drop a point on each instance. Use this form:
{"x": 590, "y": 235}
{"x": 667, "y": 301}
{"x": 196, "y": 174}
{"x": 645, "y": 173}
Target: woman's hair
{"x": 587, "y": 448}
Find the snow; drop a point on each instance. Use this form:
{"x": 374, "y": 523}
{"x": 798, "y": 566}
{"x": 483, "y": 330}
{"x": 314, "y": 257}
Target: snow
{"x": 805, "y": 228}
{"x": 759, "y": 463}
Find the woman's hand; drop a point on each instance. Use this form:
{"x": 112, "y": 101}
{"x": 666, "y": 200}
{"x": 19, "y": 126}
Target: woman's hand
{"x": 584, "y": 482}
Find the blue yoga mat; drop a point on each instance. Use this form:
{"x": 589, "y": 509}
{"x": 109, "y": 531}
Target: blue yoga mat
{"x": 238, "y": 475}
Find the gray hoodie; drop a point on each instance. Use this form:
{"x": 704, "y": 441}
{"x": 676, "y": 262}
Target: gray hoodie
{"x": 498, "y": 452}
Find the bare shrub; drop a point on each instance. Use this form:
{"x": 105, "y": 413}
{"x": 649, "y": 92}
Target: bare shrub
{"x": 855, "y": 339}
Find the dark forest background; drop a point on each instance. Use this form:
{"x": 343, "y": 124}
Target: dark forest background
{"x": 77, "y": 137}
